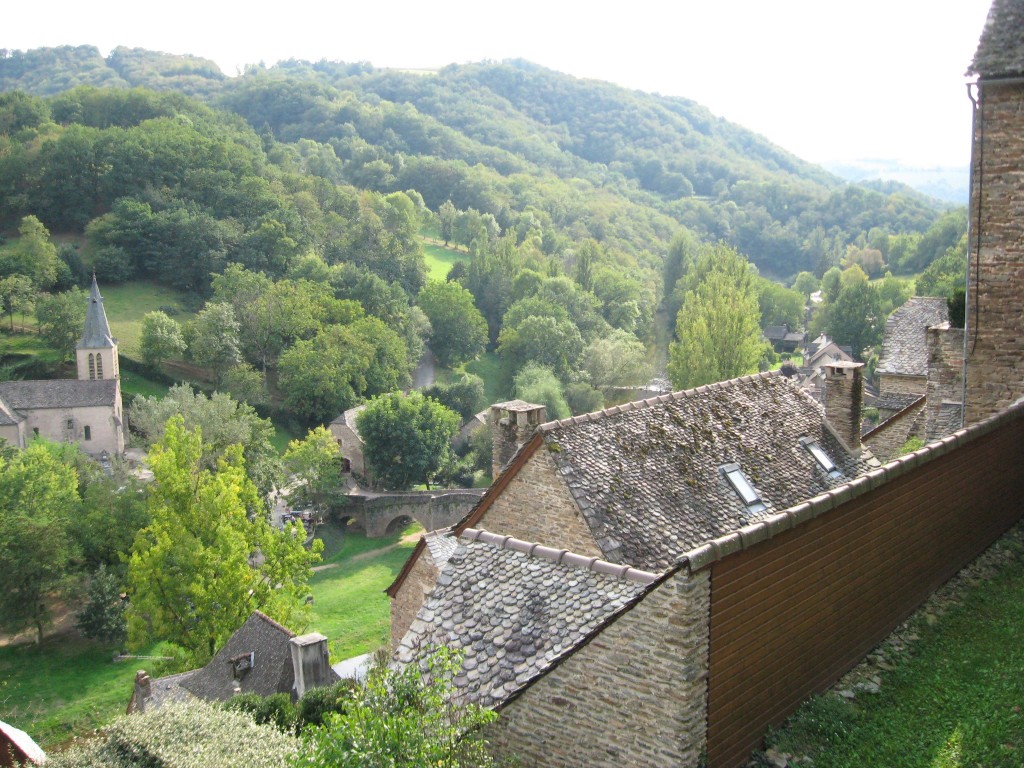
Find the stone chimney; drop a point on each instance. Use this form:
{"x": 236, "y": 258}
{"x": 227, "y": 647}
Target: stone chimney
{"x": 844, "y": 397}
{"x": 944, "y": 411}
{"x": 143, "y": 691}
{"x": 512, "y": 424}
{"x": 310, "y": 662}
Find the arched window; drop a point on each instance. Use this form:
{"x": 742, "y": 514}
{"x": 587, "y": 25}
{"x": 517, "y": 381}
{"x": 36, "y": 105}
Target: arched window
{"x": 92, "y": 366}
{"x": 99, "y": 366}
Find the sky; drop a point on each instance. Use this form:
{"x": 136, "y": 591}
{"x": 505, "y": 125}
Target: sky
{"x": 871, "y": 80}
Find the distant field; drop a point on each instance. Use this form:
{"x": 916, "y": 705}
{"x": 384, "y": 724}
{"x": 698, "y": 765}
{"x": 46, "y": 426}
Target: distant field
{"x": 488, "y": 368}
{"x": 349, "y": 604}
{"x": 127, "y": 303}
{"x": 440, "y": 260}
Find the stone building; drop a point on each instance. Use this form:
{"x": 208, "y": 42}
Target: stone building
{"x": 903, "y": 364}
{"x": 261, "y": 657}
{"x": 346, "y": 433}
{"x": 994, "y": 375}
{"x": 86, "y": 410}
{"x": 565, "y": 581}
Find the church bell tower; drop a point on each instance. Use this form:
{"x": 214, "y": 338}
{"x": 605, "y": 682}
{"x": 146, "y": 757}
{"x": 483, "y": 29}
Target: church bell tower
{"x": 97, "y": 350}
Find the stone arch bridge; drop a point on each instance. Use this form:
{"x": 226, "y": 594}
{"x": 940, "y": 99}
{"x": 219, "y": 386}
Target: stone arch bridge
{"x": 378, "y": 512}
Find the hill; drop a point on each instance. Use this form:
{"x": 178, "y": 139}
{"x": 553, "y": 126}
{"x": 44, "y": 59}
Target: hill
{"x": 536, "y": 149}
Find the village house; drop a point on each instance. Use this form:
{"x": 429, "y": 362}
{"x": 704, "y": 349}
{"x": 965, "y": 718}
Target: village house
{"x": 86, "y": 410}
{"x": 261, "y": 657}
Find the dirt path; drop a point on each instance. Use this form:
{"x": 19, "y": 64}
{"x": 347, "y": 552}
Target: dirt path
{"x": 371, "y": 554}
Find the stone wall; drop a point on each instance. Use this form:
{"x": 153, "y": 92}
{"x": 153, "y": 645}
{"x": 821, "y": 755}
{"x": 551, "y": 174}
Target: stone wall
{"x": 67, "y": 425}
{"x": 898, "y": 384}
{"x": 945, "y": 374}
{"x": 536, "y": 506}
{"x": 635, "y": 695}
{"x": 995, "y": 322}
{"x": 409, "y": 599}
{"x": 431, "y": 509}
{"x": 887, "y": 438}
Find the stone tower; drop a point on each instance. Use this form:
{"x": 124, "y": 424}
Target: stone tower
{"x": 97, "y": 350}
{"x": 512, "y": 424}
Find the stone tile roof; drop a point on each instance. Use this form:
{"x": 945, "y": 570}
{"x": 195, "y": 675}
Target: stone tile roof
{"x": 97, "y": 332}
{"x": 647, "y": 475}
{"x": 895, "y": 401}
{"x": 775, "y": 332}
{"x": 1001, "y": 48}
{"x": 905, "y": 347}
{"x": 949, "y": 419}
{"x": 57, "y": 393}
{"x": 441, "y": 545}
{"x": 8, "y": 415}
{"x": 514, "y": 608}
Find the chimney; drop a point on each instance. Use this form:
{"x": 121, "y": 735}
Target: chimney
{"x": 944, "y": 409}
{"x": 844, "y": 396}
{"x": 143, "y": 691}
{"x": 310, "y": 662}
{"x": 512, "y": 425}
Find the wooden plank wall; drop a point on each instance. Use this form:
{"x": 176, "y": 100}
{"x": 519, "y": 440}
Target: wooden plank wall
{"x": 791, "y": 615}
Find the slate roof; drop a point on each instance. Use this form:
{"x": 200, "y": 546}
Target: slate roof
{"x": 514, "y": 608}
{"x": 647, "y": 475}
{"x": 949, "y": 419}
{"x": 272, "y": 671}
{"x": 97, "y": 332}
{"x": 895, "y": 401}
{"x": 441, "y": 544}
{"x": 58, "y": 393}
{"x": 348, "y": 418}
{"x": 776, "y": 332}
{"x": 905, "y": 346}
{"x": 1001, "y": 48}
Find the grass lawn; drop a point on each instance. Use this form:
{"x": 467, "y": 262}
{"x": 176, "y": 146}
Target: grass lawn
{"x": 62, "y": 688}
{"x": 440, "y": 260}
{"x": 488, "y": 368}
{"x": 954, "y": 701}
{"x": 349, "y": 604}
{"x": 26, "y": 343}
{"x": 126, "y": 304}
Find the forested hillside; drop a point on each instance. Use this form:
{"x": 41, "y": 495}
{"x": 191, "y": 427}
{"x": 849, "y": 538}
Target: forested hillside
{"x": 585, "y": 214}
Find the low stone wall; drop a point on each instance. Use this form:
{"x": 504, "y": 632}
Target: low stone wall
{"x": 431, "y": 509}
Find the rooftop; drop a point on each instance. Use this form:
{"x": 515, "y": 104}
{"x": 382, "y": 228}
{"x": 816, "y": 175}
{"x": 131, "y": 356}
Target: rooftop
{"x": 515, "y": 608}
{"x": 57, "y": 393}
{"x": 97, "y": 331}
{"x": 1000, "y": 51}
{"x": 905, "y": 347}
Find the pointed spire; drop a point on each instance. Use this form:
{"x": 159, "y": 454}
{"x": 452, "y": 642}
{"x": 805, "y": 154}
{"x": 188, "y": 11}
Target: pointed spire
{"x": 97, "y": 331}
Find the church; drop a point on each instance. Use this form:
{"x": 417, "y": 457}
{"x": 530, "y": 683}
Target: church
{"x": 86, "y": 410}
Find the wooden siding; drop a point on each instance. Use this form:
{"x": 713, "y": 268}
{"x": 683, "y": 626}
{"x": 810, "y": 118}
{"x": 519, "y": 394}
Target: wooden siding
{"x": 791, "y": 615}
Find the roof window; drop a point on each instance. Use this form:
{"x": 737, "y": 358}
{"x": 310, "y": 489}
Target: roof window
{"x": 821, "y": 457}
{"x": 739, "y": 482}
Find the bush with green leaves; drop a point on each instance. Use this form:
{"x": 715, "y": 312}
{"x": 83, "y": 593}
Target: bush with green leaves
{"x": 317, "y": 703}
{"x": 190, "y": 734}
{"x": 276, "y": 710}
{"x": 402, "y": 719}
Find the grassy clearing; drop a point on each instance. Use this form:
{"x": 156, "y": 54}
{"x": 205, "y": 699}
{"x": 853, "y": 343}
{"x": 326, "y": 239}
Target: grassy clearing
{"x": 953, "y": 700}
{"x": 488, "y": 368}
{"x": 62, "y": 688}
{"x": 25, "y": 343}
{"x": 349, "y": 604}
{"x": 440, "y": 260}
{"x": 127, "y": 303}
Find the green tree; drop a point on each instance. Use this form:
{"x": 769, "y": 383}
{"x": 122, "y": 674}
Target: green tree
{"x": 245, "y": 384}
{"x": 224, "y": 422}
{"x": 446, "y": 216}
{"x": 18, "y": 295}
{"x": 831, "y": 282}
{"x": 458, "y": 330}
{"x": 213, "y": 339}
{"x": 855, "y": 318}
{"x": 465, "y": 396}
{"x": 538, "y": 384}
{"x": 778, "y": 305}
{"x": 718, "y": 333}
{"x": 209, "y": 558}
{"x": 32, "y": 255}
{"x": 944, "y": 275}
{"x": 102, "y": 616}
{"x": 38, "y": 499}
{"x": 806, "y": 283}
{"x": 113, "y": 511}
{"x": 556, "y": 344}
{"x": 315, "y": 461}
{"x": 617, "y": 360}
{"x": 402, "y": 719}
{"x": 61, "y": 318}
{"x": 406, "y": 438}
{"x": 161, "y": 338}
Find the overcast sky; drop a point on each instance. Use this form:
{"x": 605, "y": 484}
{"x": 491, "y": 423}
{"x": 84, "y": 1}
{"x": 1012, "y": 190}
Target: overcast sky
{"x": 829, "y": 81}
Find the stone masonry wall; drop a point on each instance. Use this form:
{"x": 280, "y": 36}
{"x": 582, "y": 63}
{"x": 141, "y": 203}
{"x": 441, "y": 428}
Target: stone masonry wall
{"x": 887, "y": 438}
{"x": 995, "y": 322}
{"x": 537, "y": 506}
{"x": 892, "y": 384}
{"x": 945, "y": 373}
{"x": 636, "y": 695}
{"x": 407, "y": 603}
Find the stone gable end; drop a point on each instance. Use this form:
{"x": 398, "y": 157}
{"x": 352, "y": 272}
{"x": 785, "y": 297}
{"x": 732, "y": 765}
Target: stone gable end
{"x": 408, "y": 600}
{"x": 536, "y": 505}
{"x": 635, "y": 695}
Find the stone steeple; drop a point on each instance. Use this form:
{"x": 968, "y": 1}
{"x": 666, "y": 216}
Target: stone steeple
{"x": 97, "y": 350}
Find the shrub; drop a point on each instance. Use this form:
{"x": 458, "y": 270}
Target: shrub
{"x": 316, "y": 704}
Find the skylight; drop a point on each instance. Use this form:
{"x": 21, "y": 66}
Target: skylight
{"x": 739, "y": 482}
{"x": 821, "y": 457}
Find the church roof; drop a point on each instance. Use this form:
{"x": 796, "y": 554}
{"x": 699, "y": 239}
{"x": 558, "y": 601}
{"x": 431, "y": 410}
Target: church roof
{"x": 57, "y": 393}
{"x": 1001, "y": 49}
{"x": 97, "y": 331}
